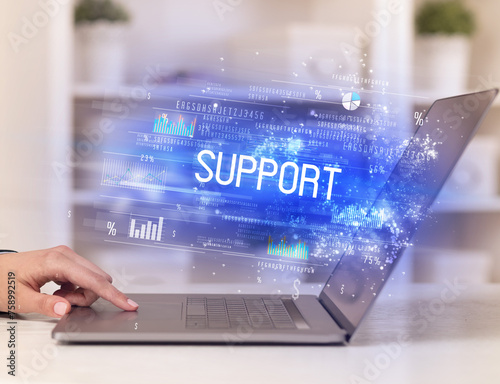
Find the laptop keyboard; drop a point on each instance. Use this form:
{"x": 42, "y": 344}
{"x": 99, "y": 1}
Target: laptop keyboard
{"x": 221, "y": 313}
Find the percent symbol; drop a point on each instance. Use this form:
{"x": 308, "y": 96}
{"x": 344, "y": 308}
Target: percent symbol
{"x": 418, "y": 118}
{"x": 111, "y": 228}
{"x": 318, "y": 94}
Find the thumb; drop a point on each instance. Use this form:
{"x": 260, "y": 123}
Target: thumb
{"x": 49, "y": 305}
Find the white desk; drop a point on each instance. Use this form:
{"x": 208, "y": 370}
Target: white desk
{"x": 459, "y": 345}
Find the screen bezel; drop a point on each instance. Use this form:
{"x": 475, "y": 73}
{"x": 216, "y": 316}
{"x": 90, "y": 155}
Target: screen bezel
{"x": 324, "y": 298}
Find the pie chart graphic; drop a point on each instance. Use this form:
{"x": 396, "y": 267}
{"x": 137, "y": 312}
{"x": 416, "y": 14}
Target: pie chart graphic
{"x": 351, "y": 101}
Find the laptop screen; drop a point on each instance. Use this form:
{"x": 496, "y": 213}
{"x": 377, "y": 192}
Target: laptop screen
{"x": 405, "y": 201}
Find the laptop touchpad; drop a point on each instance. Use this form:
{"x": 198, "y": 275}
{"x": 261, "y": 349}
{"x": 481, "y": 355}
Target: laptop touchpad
{"x": 160, "y": 311}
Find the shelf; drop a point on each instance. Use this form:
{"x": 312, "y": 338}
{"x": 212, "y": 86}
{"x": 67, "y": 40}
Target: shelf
{"x": 459, "y": 205}
{"x": 474, "y": 204}
{"x": 83, "y": 197}
{"x": 432, "y": 96}
{"x": 85, "y": 91}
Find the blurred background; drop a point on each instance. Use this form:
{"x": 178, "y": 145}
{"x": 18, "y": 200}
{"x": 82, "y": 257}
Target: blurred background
{"x": 62, "y": 73}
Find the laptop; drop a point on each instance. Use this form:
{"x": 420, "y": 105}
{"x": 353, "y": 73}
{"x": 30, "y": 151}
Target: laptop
{"x": 333, "y": 317}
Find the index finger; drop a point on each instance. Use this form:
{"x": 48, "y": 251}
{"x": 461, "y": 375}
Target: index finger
{"x": 83, "y": 277}
{"x": 67, "y": 251}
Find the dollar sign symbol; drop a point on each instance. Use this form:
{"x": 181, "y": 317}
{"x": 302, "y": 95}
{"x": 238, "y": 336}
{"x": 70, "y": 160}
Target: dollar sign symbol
{"x": 136, "y": 326}
{"x": 296, "y": 284}
{"x": 69, "y": 214}
{"x": 342, "y": 289}
{"x": 173, "y": 233}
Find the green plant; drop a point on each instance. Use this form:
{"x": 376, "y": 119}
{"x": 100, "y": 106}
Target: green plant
{"x": 94, "y": 10}
{"x": 448, "y": 17}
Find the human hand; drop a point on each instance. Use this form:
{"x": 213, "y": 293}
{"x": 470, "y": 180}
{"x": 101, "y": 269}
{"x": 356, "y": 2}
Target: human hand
{"x": 81, "y": 282}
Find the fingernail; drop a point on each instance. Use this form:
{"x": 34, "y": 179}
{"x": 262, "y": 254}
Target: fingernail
{"x": 132, "y": 303}
{"x": 60, "y": 308}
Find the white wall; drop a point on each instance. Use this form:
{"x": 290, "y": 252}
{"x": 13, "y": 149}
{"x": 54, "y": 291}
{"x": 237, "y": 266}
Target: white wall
{"x": 193, "y": 35}
{"x": 35, "y": 126}
{"x": 485, "y": 57}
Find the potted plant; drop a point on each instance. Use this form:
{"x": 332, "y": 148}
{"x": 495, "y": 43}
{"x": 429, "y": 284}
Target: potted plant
{"x": 442, "y": 52}
{"x": 100, "y": 29}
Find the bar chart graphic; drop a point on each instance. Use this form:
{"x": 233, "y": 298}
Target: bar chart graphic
{"x": 299, "y": 251}
{"x": 130, "y": 175}
{"x": 358, "y": 216}
{"x": 144, "y": 229}
{"x": 177, "y": 128}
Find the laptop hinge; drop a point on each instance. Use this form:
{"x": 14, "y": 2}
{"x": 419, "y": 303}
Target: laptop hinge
{"x": 337, "y": 315}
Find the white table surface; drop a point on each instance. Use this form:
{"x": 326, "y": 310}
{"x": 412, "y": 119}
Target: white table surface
{"x": 461, "y": 344}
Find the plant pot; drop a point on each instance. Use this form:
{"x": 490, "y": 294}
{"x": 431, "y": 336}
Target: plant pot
{"x": 442, "y": 63}
{"x": 102, "y": 52}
